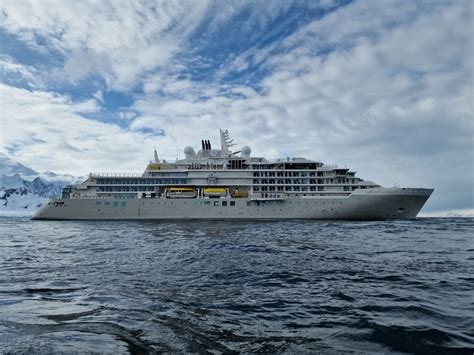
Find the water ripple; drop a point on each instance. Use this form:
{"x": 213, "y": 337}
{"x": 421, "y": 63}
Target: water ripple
{"x": 220, "y": 287}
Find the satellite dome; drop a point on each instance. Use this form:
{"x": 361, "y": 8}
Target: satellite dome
{"x": 246, "y": 151}
{"x": 189, "y": 152}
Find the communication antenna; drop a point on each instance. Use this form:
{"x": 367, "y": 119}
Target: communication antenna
{"x": 156, "y": 155}
{"x": 226, "y": 142}
{"x": 177, "y": 150}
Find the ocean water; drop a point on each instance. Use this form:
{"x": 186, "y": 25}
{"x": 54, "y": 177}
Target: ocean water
{"x": 222, "y": 287}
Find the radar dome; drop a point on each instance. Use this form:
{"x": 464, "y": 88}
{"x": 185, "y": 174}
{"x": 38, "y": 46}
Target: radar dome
{"x": 245, "y": 152}
{"x": 189, "y": 152}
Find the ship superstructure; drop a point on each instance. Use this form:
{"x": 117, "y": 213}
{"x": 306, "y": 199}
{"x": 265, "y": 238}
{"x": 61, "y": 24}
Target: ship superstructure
{"x": 221, "y": 183}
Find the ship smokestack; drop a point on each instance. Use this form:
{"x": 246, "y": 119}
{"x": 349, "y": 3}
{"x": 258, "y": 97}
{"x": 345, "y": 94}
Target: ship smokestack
{"x": 202, "y": 144}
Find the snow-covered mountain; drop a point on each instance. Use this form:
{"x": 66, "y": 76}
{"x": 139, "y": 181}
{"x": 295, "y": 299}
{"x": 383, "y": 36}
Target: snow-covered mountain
{"x": 9, "y": 167}
{"x": 23, "y": 190}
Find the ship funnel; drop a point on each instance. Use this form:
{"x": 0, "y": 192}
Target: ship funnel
{"x": 156, "y": 156}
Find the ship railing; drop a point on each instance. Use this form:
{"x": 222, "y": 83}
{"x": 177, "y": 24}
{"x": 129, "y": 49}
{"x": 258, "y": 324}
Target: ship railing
{"x": 289, "y": 160}
{"x": 115, "y": 175}
{"x": 98, "y": 197}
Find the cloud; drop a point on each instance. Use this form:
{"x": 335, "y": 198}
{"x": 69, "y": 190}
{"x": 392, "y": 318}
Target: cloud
{"x": 18, "y": 74}
{"x": 99, "y": 96}
{"x": 119, "y": 41}
{"x": 48, "y": 131}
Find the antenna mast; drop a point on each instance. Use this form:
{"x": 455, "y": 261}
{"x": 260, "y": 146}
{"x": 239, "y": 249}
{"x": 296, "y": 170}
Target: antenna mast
{"x": 226, "y": 142}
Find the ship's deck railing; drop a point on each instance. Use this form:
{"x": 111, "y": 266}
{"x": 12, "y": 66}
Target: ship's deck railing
{"x": 115, "y": 175}
{"x": 98, "y": 197}
{"x": 290, "y": 160}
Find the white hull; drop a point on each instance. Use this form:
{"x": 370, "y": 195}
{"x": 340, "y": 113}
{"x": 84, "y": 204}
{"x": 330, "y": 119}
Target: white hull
{"x": 377, "y": 203}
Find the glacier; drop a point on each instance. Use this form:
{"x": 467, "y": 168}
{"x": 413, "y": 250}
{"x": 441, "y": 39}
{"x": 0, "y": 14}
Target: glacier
{"x": 23, "y": 190}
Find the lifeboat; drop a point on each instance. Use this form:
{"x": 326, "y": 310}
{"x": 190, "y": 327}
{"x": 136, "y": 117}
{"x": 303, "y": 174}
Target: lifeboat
{"x": 153, "y": 166}
{"x": 159, "y": 166}
{"x": 181, "y": 192}
{"x": 215, "y": 192}
{"x": 238, "y": 194}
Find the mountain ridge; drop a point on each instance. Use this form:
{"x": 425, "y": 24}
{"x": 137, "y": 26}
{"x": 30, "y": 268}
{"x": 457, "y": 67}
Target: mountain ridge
{"x": 10, "y": 167}
{"x": 23, "y": 190}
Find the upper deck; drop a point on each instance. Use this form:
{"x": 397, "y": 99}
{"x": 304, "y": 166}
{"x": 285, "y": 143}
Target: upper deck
{"x": 235, "y": 171}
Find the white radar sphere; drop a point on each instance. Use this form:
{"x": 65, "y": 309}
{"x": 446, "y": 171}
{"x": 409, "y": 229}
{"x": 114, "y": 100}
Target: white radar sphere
{"x": 246, "y": 151}
{"x": 189, "y": 151}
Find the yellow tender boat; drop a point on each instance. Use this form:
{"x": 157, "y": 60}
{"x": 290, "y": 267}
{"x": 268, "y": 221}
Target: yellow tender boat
{"x": 215, "y": 192}
{"x": 181, "y": 192}
{"x": 238, "y": 194}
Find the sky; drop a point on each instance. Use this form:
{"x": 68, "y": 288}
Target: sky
{"x": 382, "y": 87}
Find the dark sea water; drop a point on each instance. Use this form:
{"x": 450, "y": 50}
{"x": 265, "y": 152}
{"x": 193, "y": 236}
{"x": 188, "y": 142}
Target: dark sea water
{"x": 220, "y": 287}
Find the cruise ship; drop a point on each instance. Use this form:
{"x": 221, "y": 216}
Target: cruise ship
{"x": 225, "y": 184}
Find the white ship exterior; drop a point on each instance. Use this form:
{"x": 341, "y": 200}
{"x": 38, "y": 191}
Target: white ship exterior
{"x": 221, "y": 184}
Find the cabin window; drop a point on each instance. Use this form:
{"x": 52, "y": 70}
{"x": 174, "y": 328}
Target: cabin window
{"x": 224, "y": 203}
{"x": 232, "y": 203}
{"x": 107, "y": 203}
{"x": 98, "y": 203}
{"x": 207, "y": 202}
{"x": 216, "y": 203}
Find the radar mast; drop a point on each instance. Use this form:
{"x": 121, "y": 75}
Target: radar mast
{"x": 226, "y": 142}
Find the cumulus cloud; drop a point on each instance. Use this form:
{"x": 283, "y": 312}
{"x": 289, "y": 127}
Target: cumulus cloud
{"x": 48, "y": 131}
{"x": 117, "y": 40}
